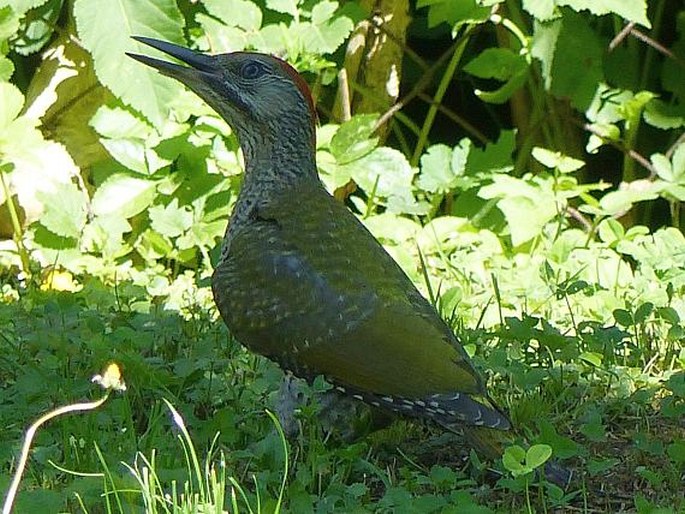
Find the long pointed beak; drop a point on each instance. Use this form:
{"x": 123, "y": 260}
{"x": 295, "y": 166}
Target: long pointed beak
{"x": 204, "y": 64}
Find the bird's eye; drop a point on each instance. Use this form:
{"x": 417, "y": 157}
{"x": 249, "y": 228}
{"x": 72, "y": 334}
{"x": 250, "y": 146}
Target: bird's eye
{"x": 251, "y": 70}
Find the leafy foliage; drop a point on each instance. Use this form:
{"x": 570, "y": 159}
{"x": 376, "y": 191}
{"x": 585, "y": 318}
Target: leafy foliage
{"x": 543, "y": 215}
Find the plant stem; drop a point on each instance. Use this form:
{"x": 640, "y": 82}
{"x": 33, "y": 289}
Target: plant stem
{"x": 16, "y": 224}
{"x": 437, "y": 98}
{"x": 28, "y": 439}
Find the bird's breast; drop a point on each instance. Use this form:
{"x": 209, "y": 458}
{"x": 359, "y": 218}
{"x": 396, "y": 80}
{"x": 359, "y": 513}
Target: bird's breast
{"x": 276, "y": 298}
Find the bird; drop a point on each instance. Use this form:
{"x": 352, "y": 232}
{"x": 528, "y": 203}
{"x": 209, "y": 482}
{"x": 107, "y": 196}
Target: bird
{"x": 301, "y": 281}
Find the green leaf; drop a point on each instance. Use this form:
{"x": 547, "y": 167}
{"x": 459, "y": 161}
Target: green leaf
{"x": 606, "y": 106}
{"x": 556, "y": 160}
{"x": 353, "y": 138}
{"x": 500, "y": 64}
{"x": 127, "y": 138}
{"x": 39, "y": 164}
{"x": 326, "y": 37}
{"x": 202, "y": 234}
{"x": 598, "y": 467}
{"x": 65, "y": 210}
{"x": 388, "y": 227}
{"x": 387, "y": 173}
{"x": 571, "y": 55}
{"x": 594, "y": 429}
{"x": 669, "y": 314}
{"x": 676, "y": 451}
{"x": 592, "y": 358}
{"x": 678, "y": 160}
{"x": 123, "y": 195}
{"x": 21, "y": 7}
{"x": 677, "y": 384}
{"x": 6, "y": 68}
{"x": 172, "y": 220}
{"x": 623, "y": 317}
{"x": 436, "y": 169}
{"x": 454, "y": 12}
{"x": 128, "y": 152}
{"x": 460, "y": 156}
{"x": 152, "y": 245}
{"x": 527, "y": 205}
{"x": 513, "y": 460}
{"x": 631, "y": 110}
{"x": 504, "y": 93}
{"x": 11, "y": 102}
{"x": 49, "y": 240}
{"x": 610, "y": 231}
{"x": 496, "y": 63}
{"x": 9, "y": 22}
{"x": 224, "y": 39}
{"x": 284, "y": 6}
{"x": 118, "y": 123}
{"x": 105, "y": 28}
{"x": 564, "y": 447}
{"x": 665, "y": 116}
{"x": 633, "y": 10}
{"x": 619, "y": 202}
{"x": 542, "y": 10}
{"x": 236, "y": 13}
{"x": 662, "y": 166}
{"x": 103, "y": 234}
{"x": 494, "y": 157}
{"x": 442, "y": 167}
{"x": 323, "y": 11}
{"x": 537, "y": 455}
{"x": 38, "y": 26}
{"x": 274, "y": 38}
{"x": 643, "y": 312}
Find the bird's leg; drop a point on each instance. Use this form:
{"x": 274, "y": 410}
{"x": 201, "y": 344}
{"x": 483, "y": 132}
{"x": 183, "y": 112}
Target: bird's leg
{"x": 338, "y": 415}
{"x": 290, "y": 398}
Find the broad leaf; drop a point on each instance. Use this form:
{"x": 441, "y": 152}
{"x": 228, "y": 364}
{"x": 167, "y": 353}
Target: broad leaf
{"x": 631, "y": 10}
{"x": 436, "y": 169}
{"x": 494, "y": 157}
{"x": 571, "y": 55}
{"x": 454, "y": 12}
{"x": 104, "y": 234}
{"x": 556, "y": 160}
{"x": 542, "y": 10}
{"x": 235, "y": 13}
{"x": 325, "y": 34}
{"x": 105, "y": 28}
{"x": 513, "y": 460}
{"x": 123, "y": 195}
{"x": 64, "y": 211}
{"x": 38, "y": 164}
{"x": 537, "y": 455}
{"x": 172, "y": 220}
{"x": 496, "y": 63}
{"x": 527, "y": 205}
{"x": 665, "y": 116}
{"x": 353, "y": 139}
{"x": 285, "y": 6}
{"x": 385, "y": 173}
{"x": 11, "y": 102}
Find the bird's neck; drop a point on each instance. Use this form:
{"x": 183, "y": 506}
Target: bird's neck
{"x": 278, "y": 152}
{"x": 274, "y": 167}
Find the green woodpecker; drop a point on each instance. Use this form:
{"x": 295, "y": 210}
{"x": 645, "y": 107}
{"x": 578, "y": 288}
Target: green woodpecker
{"x": 303, "y": 282}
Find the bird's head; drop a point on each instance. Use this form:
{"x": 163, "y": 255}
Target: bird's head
{"x": 262, "y": 97}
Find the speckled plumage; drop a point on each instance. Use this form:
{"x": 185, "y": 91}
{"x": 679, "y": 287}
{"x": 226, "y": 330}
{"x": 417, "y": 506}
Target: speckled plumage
{"x": 301, "y": 280}
{"x": 323, "y": 297}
